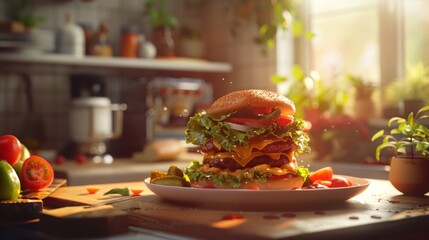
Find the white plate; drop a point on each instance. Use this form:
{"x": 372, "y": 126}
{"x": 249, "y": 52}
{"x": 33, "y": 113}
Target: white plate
{"x": 258, "y": 199}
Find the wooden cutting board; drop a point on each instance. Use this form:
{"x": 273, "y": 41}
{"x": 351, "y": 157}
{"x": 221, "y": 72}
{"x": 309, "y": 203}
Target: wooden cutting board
{"x": 78, "y": 195}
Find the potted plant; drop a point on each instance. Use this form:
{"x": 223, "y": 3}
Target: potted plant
{"x": 412, "y": 89}
{"x": 363, "y": 103}
{"x": 20, "y": 16}
{"x": 163, "y": 24}
{"x": 408, "y": 143}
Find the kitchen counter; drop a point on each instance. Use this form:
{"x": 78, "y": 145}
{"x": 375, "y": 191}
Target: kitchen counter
{"x": 380, "y": 212}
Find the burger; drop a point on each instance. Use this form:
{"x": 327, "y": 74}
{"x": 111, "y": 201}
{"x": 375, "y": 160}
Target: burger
{"x": 249, "y": 139}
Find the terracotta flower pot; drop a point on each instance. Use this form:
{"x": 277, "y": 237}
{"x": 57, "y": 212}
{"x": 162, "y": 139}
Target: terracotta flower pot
{"x": 410, "y": 175}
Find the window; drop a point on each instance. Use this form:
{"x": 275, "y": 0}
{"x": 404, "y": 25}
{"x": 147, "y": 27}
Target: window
{"x": 377, "y": 40}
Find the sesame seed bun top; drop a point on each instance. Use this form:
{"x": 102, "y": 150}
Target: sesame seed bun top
{"x": 251, "y": 98}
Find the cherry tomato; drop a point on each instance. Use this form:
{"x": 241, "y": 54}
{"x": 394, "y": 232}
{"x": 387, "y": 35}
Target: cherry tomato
{"x": 10, "y": 149}
{"x": 340, "y": 182}
{"x": 325, "y": 173}
{"x": 37, "y": 173}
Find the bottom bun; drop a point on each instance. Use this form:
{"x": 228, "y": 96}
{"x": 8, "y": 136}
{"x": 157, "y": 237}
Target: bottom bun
{"x": 277, "y": 184}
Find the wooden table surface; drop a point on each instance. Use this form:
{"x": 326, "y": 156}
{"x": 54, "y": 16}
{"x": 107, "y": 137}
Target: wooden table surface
{"x": 380, "y": 211}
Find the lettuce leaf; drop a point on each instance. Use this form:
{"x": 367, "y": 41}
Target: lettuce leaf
{"x": 194, "y": 173}
{"x": 201, "y": 127}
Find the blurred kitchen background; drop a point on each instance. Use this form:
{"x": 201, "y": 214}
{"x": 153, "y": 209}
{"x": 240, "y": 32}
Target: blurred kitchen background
{"x": 348, "y": 65}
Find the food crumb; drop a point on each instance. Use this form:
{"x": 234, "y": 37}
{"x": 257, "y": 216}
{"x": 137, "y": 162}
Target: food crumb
{"x": 376, "y": 216}
{"x": 354, "y": 218}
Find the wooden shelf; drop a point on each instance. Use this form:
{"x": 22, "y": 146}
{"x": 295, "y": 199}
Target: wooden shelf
{"x": 164, "y": 64}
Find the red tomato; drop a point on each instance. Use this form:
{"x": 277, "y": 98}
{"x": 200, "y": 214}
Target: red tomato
{"x": 340, "y": 182}
{"x": 10, "y": 149}
{"x": 325, "y": 173}
{"x": 36, "y": 173}
{"x": 283, "y": 121}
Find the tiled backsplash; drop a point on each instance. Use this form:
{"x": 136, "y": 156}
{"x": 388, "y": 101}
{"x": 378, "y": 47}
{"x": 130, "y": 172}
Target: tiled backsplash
{"x": 50, "y": 84}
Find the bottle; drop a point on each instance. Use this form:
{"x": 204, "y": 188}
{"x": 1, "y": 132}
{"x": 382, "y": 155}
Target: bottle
{"x": 101, "y": 46}
{"x": 88, "y": 35}
{"x": 129, "y": 42}
{"x": 146, "y": 49}
{"x": 71, "y": 39}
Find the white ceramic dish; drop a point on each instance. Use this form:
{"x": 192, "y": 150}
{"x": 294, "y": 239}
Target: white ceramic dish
{"x": 269, "y": 199}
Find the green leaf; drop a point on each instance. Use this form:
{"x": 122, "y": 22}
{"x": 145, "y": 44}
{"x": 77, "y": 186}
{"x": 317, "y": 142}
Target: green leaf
{"x": 377, "y": 135}
{"x": 395, "y": 119}
{"x": 421, "y": 146}
{"x": 297, "y": 72}
{"x": 411, "y": 119}
{"x": 121, "y": 191}
{"x": 381, "y": 147}
{"x": 423, "y": 109}
{"x": 278, "y": 79}
{"x": 309, "y": 35}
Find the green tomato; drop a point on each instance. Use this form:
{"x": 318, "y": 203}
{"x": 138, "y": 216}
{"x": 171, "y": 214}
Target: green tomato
{"x": 18, "y": 165}
{"x": 10, "y": 186}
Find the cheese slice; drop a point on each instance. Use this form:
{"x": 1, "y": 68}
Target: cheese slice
{"x": 244, "y": 154}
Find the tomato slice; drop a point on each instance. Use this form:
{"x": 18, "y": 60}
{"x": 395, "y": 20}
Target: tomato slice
{"x": 325, "y": 173}
{"x": 283, "y": 121}
{"x": 10, "y": 149}
{"x": 36, "y": 173}
{"x": 340, "y": 182}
